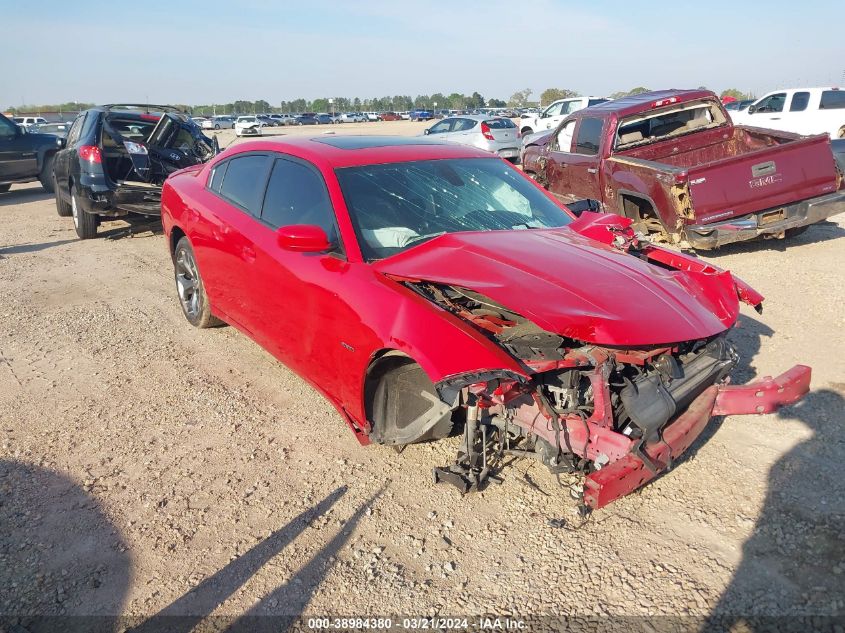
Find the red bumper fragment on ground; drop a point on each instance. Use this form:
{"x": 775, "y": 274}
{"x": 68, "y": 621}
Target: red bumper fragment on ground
{"x": 632, "y": 471}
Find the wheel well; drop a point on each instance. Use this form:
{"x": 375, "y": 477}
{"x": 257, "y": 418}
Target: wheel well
{"x": 527, "y": 130}
{"x": 394, "y": 403}
{"x": 636, "y": 208}
{"x": 176, "y": 234}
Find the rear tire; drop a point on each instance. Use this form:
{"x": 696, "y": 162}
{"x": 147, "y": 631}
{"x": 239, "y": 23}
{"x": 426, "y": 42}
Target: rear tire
{"x": 63, "y": 208}
{"x": 84, "y": 223}
{"x": 190, "y": 288}
{"x": 46, "y": 175}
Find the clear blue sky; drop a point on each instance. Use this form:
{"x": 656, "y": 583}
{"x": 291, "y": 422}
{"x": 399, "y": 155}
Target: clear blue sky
{"x": 201, "y": 52}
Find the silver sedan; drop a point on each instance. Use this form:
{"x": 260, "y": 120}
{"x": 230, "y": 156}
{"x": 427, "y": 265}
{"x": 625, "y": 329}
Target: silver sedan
{"x": 496, "y": 135}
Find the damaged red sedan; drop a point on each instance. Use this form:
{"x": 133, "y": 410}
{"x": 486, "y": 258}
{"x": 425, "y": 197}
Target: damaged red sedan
{"x": 428, "y": 289}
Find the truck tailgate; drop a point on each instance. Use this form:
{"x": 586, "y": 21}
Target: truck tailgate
{"x": 763, "y": 179}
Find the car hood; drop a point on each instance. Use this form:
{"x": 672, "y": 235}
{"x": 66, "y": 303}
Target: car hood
{"x": 574, "y": 286}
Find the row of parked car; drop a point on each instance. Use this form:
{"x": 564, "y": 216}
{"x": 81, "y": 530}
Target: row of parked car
{"x": 425, "y": 286}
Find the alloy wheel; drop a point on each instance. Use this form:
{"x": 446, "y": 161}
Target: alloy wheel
{"x": 187, "y": 283}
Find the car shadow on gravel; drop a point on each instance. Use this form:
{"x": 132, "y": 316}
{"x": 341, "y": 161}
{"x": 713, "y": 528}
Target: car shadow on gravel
{"x": 793, "y": 564}
{"x": 815, "y": 233}
{"x": 276, "y": 611}
{"x": 63, "y": 563}
{"x": 22, "y": 196}
{"x": 32, "y": 248}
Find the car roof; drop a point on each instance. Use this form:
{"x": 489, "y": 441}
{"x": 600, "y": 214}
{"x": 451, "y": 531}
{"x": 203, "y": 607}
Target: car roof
{"x": 475, "y": 117}
{"x": 338, "y": 151}
{"x": 633, "y": 104}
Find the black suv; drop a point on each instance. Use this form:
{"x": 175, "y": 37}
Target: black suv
{"x": 117, "y": 158}
{"x": 25, "y": 157}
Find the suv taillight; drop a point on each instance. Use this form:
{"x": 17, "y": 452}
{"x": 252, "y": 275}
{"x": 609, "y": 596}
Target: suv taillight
{"x": 486, "y": 133}
{"x": 91, "y": 153}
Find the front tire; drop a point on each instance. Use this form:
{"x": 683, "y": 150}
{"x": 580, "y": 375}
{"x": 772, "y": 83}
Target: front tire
{"x": 190, "y": 288}
{"x": 46, "y": 175}
{"x": 62, "y": 208}
{"x": 84, "y": 223}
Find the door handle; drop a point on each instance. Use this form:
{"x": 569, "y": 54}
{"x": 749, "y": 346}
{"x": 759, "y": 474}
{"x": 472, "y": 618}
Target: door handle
{"x": 775, "y": 118}
{"x": 592, "y": 170}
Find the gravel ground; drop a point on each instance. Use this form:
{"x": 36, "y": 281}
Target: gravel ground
{"x": 150, "y": 468}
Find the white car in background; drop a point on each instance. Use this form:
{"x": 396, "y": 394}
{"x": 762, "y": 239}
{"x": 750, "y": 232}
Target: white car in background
{"x": 371, "y": 116}
{"x": 352, "y": 117}
{"x": 555, "y": 113}
{"x": 248, "y": 126}
{"x": 798, "y": 110}
{"x": 220, "y": 122}
{"x": 405, "y": 116}
{"x": 27, "y": 122}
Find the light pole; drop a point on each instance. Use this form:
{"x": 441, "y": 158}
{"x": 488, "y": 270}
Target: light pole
{"x": 331, "y": 106}
{"x": 434, "y": 114}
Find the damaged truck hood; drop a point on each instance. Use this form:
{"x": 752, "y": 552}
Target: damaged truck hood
{"x": 574, "y": 286}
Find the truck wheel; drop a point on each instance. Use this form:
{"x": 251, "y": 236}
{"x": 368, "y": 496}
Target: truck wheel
{"x": 5, "y": 188}
{"x": 62, "y": 208}
{"x": 190, "y": 288}
{"x": 526, "y": 130}
{"x": 84, "y": 223}
{"x": 46, "y": 175}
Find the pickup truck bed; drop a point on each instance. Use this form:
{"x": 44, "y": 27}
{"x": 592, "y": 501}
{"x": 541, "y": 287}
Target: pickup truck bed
{"x": 707, "y": 183}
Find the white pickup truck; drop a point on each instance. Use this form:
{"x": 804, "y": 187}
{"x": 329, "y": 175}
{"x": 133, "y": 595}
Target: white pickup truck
{"x": 798, "y": 110}
{"x": 555, "y": 113}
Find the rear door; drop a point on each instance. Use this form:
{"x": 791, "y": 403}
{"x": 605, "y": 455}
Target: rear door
{"x": 222, "y": 235}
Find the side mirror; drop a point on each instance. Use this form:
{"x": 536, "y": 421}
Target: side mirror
{"x": 427, "y": 131}
{"x": 304, "y": 238}
{"x": 752, "y": 109}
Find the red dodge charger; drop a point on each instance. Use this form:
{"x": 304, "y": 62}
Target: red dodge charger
{"x": 426, "y": 288}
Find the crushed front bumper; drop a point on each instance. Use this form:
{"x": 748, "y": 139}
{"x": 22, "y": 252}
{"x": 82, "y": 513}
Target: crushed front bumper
{"x": 772, "y": 222}
{"x": 647, "y": 461}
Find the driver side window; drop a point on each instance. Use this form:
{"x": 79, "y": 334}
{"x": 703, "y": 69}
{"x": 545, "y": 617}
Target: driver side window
{"x": 443, "y": 126}
{"x": 772, "y": 103}
{"x": 553, "y": 110}
{"x": 563, "y": 140}
{"x": 7, "y": 128}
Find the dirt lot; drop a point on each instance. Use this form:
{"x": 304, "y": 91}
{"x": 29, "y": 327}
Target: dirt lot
{"x": 150, "y": 468}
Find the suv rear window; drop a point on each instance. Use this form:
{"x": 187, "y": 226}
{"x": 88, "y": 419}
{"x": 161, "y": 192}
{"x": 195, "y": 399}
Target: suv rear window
{"x": 499, "y": 124}
{"x": 832, "y": 100}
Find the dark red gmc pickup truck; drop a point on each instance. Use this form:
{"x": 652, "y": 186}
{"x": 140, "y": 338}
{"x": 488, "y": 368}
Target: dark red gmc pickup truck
{"x": 673, "y": 162}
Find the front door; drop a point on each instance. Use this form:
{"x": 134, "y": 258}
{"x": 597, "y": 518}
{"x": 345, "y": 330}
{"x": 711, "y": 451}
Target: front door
{"x": 17, "y": 161}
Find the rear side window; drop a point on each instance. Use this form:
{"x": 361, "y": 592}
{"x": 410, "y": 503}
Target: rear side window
{"x": 76, "y": 129}
{"x": 243, "y": 183}
{"x": 499, "y": 124}
{"x": 589, "y": 136}
{"x": 217, "y": 176}
{"x": 799, "y": 102}
{"x": 593, "y": 102}
{"x": 832, "y": 100}
{"x": 296, "y": 194}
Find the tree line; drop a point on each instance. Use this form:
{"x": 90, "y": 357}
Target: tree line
{"x": 396, "y": 103}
